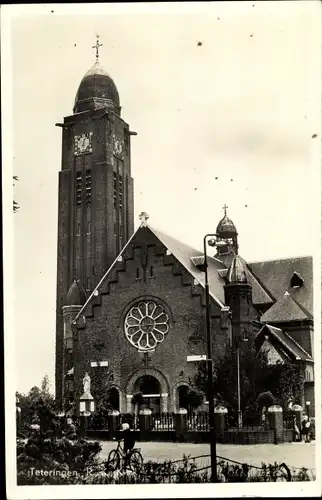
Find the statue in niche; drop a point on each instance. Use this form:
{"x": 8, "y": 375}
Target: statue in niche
{"x": 87, "y": 384}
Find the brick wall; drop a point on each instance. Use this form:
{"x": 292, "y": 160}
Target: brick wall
{"x": 171, "y": 286}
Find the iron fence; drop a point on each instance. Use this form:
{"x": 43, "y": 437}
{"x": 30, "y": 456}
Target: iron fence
{"x": 197, "y": 421}
{"x": 162, "y": 422}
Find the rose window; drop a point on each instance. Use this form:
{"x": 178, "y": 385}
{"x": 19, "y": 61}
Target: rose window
{"x": 146, "y": 325}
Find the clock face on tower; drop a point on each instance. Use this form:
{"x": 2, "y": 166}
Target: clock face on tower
{"x": 83, "y": 144}
{"x": 118, "y": 147}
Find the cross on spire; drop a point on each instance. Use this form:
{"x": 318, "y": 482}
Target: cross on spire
{"x": 144, "y": 218}
{"x": 97, "y": 46}
{"x": 225, "y": 209}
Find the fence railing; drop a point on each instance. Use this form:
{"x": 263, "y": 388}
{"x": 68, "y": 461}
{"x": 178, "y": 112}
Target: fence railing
{"x": 197, "y": 421}
{"x": 191, "y": 426}
{"x": 162, "y": 422}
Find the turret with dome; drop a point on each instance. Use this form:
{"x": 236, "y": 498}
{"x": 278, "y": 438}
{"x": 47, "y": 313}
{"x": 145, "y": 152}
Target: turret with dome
{"x": 227, "y": 239}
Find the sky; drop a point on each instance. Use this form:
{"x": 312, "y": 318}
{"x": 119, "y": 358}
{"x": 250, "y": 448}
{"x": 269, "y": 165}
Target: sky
{"x": 225, "y": 98}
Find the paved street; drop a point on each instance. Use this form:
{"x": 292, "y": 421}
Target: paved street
{"x": 293, "y": 454}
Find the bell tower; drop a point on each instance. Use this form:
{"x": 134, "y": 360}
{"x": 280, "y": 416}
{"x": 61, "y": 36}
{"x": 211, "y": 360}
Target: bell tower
{"x": 95, "y": 205}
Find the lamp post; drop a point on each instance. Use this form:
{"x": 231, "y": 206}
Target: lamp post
{"x": 240, "y": 414}
{"x": 213, "y": 452}
{"x": 240, "y": 417}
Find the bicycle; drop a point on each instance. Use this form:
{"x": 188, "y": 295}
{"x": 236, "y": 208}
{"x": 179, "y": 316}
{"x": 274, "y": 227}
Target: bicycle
{"x": 132, "y": 459}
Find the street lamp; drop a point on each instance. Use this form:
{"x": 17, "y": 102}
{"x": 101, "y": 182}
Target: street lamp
{"x": 240, "y": 415}
{"x": 213, "y": 452}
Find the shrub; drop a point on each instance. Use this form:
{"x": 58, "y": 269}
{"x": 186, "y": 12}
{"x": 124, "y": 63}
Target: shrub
{"x": 265, "y": 399}
{"x": 66, "y": 459}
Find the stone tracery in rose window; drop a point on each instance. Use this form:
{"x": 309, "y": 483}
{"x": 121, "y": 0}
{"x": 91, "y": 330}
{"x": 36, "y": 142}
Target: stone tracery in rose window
{"x": 146, "y": 325}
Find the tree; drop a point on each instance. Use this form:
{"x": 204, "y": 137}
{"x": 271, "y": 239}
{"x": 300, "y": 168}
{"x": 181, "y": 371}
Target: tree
{"x": 265, "y": 399}
{"x": 286, "y": 382}
{"x": 192, "y": 398}
{"x": 45, "y": 385}
{"x": 283, "y": 380}
{"x": 225, "y": 379}
{"x": 37, "y": 404}
{"x": 15, "y": 204}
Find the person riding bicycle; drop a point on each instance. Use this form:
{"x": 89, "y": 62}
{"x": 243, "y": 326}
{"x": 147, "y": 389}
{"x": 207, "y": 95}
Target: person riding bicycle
{"x": 126, "y": 432}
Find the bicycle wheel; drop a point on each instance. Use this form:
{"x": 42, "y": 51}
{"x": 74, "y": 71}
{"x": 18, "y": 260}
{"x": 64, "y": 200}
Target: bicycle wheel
{"x": 113, "y": 461}
{"x": 283, "y": 474}
{"x": 136, "y": 460}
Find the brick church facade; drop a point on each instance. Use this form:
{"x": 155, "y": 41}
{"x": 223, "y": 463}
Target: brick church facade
{"x": 131, "y": 305}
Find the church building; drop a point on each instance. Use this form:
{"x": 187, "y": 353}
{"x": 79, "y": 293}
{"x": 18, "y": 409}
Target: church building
{"x": 131, "y": 304}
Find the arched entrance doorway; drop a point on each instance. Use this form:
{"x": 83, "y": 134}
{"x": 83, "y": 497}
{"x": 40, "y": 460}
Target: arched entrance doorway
{"x": 114, "y": 398}
{"x": 150, "y": 387}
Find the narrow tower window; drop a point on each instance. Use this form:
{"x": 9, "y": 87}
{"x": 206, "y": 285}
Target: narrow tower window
{"x": 88, "y": 187}
{"x": 89, "y": 222}
{"x": 78, "y": 189}
{"x": 137, "y": 274}
{"x": 120, "y": 192}
{"x": 151, "y": 272}
{"x": 115, "y": 190}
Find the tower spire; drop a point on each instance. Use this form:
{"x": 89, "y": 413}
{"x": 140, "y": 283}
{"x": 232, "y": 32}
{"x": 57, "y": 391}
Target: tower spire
{"x": 97, "y": 46}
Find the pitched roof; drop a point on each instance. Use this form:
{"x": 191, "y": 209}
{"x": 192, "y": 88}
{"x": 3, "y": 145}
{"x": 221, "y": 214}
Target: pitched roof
{"x": 285, "y": 309}
{"x": 183, "y": 254}
{"x": 276, "y": 275}
{"x": 259, "y": 295}
{"x": 287, "y": 342}
{"x": 268, "y": 279}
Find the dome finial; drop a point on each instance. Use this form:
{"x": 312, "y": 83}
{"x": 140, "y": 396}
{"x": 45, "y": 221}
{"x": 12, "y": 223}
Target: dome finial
{"x": 97, "y": 46}
{"x": 225, "y": 209}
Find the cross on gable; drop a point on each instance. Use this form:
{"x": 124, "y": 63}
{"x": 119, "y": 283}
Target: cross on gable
{"x": 97, "y": 46}
{"x": 144, "y": 218}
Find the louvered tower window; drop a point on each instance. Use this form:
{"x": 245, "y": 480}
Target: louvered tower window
{"x": 78, "y": 189}
{"x": 115, "y": 190}
{"x": 121, "y": 192}
{"x": 88, "y": 187}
